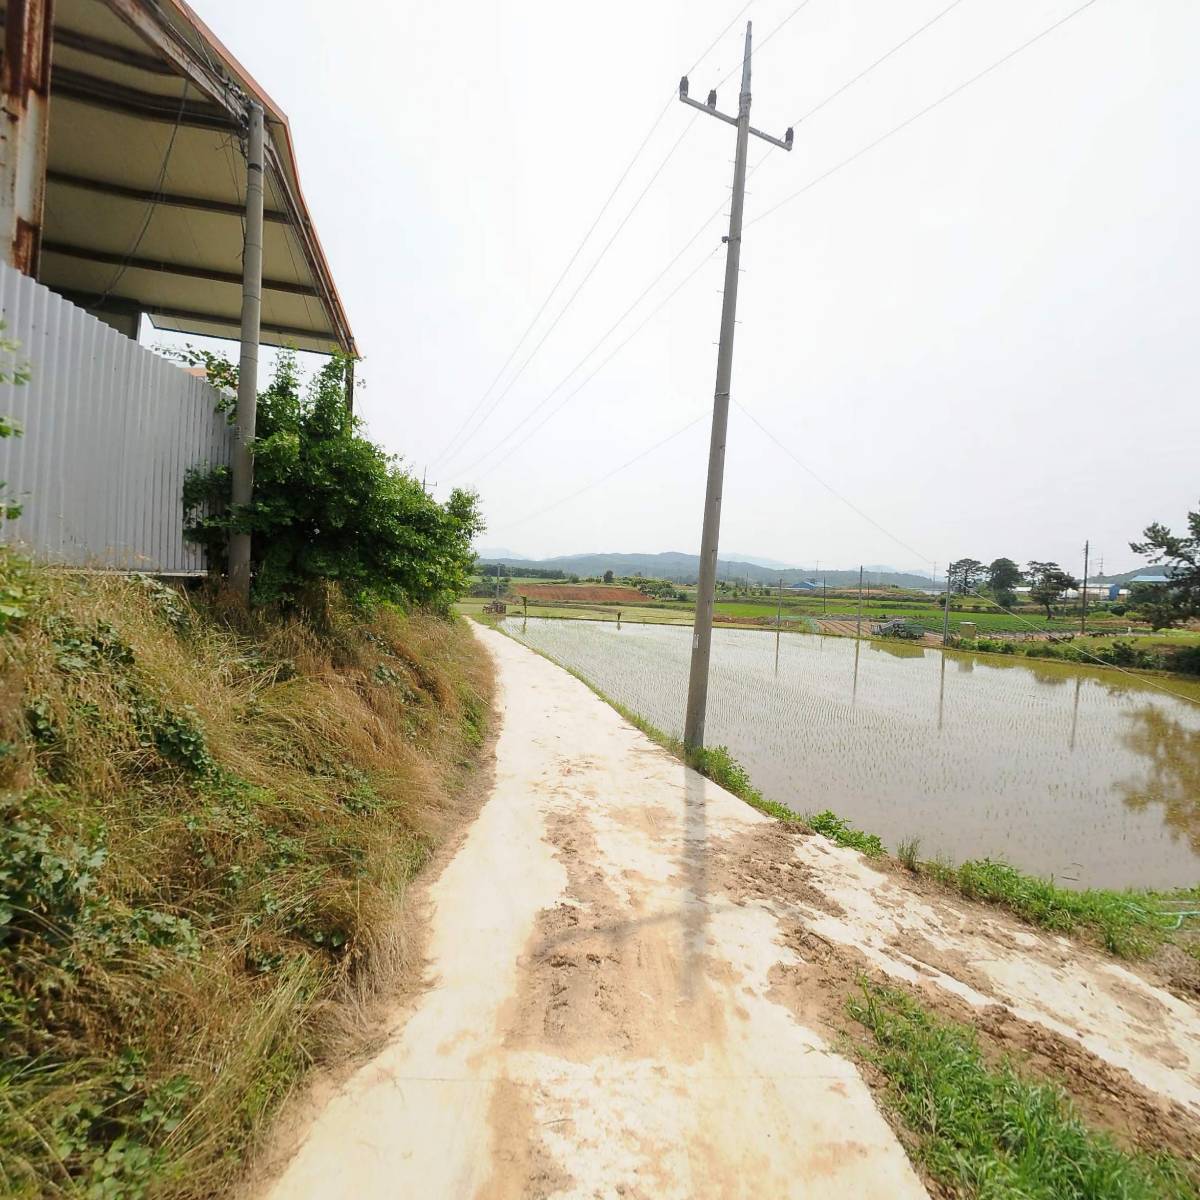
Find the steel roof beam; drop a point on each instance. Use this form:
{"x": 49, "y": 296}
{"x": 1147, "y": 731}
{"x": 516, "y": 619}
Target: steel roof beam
{"x": 119, "y": 303}
{"x": 172, "y": 268}
{"x": 91, "y": 89}
{"x": 204, "y": 204}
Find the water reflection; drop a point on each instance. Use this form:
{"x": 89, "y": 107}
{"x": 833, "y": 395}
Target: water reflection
{"x": 1173, "y": 779}
{"x": 1098, "y": 782}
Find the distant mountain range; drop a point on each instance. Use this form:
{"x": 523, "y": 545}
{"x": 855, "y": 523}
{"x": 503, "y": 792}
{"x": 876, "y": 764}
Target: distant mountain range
{"x": 683, "y": 568}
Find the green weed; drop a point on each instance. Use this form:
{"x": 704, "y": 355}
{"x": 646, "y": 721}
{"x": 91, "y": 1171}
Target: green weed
{"x": 989, "y": 1133}
{"x": 908, "y": 851}
{"x": 1127, "y": 923}
{"x": 836, "y": 830}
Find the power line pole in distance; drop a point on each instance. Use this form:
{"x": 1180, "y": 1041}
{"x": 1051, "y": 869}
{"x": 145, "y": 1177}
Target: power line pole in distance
{"x": 1083, "y": 594}
{"x": 697, "y": 700}
{"x": 946, "y": 612}
{"x": 858, "y": 622}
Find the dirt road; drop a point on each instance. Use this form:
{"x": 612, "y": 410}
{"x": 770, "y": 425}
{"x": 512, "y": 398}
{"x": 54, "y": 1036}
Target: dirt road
{"x": 633, "y": 981}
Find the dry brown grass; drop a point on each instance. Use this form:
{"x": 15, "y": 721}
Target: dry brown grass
{"x": 210, "y": 821}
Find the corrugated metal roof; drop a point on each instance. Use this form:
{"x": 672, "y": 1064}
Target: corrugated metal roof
{"x": 146, "y": 180}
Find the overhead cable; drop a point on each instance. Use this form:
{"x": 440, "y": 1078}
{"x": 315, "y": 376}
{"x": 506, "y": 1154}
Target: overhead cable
{"x": 583, "y": 242}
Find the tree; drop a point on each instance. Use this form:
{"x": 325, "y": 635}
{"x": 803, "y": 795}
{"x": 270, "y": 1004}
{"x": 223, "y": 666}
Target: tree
{"x": 1167, "y": 604}
{"x": 608, "y": 577}
{"x": 964, "y": 574}
{"x": 329, "y": 505}
{"x": 1003, "y": 575}
{"x": 1047, "y": 583}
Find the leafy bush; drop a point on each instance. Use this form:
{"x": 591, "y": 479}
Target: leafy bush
{"x": 1185, "y": 659}
{"x": 15, "y": 588}
{"x": 330, "y": 505}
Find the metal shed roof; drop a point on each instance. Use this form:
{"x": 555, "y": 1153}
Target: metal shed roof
{"x": 145, "y": 185}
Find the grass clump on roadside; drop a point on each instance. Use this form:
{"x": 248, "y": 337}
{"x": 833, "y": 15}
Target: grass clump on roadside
{"x": 985, "y": 1131}
{"x": 207, "y": 822}
{"x": 843, "y": 834}
{"x": 1128, "y": 924}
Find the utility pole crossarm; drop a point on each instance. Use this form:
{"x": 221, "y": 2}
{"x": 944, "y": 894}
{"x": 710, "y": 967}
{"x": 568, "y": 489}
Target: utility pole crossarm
{"x": 710, "y": 107}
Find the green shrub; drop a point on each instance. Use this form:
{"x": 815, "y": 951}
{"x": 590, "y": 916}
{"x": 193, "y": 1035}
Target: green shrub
{"x": 329, "y": 505}
{"x": 1185, "y": 659}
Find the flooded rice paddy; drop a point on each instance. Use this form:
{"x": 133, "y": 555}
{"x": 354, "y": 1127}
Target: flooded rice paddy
{"x": 1087, "y": 775}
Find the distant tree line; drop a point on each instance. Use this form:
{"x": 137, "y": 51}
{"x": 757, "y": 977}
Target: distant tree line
{"x": 1163, "y": 605}
{"x": 507, "y": 570}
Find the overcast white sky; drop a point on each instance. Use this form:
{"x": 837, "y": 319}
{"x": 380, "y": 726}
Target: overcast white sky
{"x": 983, "y": 332}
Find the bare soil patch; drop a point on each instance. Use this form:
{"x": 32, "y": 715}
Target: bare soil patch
{"x": 594, "y": 593}
{"x": 758, "y": 867}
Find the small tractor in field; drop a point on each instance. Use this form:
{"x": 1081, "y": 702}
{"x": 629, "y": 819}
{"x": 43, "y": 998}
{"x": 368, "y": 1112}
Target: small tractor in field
{"x": 900, "y": 629}
{"x": 496, "y": 606}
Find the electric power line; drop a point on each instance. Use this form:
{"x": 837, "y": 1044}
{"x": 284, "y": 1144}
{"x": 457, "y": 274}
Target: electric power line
{"x": 829, "y": 487}
{"x": 583, "y": 242}
{"x": 881, "y": 59}
{"x": 670, "y": 153}
{"x": 156, "y": 195}
{"x": 1037, "y": 37}
{"x": 587, "y": 487}
{"x": 600, "y": 366}
{"x": 844, "y": 87}
{"x": 605, "y": 336}
{"x": 498, "y": 399}
{"x": 759, "y": 48}
{"x": 900, "y": 542}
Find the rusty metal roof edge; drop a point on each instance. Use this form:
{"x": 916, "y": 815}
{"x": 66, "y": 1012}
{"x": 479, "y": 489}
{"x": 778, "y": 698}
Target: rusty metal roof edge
{"x": 286, "y": 164}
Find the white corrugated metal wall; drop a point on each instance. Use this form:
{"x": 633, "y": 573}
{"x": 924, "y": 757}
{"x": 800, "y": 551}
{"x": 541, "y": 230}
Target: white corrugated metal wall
{"x": 110, "y": 429}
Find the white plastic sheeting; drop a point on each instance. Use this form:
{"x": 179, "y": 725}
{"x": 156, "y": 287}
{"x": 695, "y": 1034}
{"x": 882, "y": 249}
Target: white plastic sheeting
{"x": 110, "y": 430}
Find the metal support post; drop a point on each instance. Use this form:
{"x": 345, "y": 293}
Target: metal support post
{"x": 247, "y": 398}
{"x": 24, "y": 129}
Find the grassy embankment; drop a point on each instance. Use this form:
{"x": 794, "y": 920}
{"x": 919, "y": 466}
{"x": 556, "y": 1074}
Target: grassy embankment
{"x": 209, "y": 821}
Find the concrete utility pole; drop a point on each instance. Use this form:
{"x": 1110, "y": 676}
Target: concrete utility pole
{"x": 858, "y": 622}
{"x": 247, "y": 397}
{"x": 946, "y": 615}
{"x": 697, "y": 700}
{"x": 1083, "y": 594}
